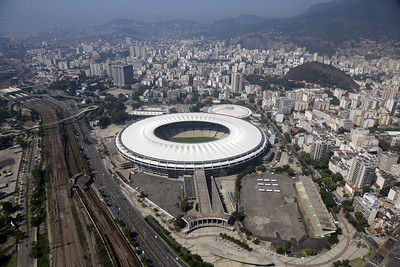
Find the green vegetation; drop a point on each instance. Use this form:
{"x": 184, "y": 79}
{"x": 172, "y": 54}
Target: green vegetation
{"x": 184, "y": 205}
{"x": 182, "y": 252}
{"x": 4, "y": 76}
{"x": 238, "y": 182}
{"x": 327, "y": 198}
{"x": 343, "y": 263}
{"x": 371, "y": 57}
{"x": 41, "y": 250}
{"x": 5, "y": 141}
{"x": 111, "y": 110}
{"x": 288, "y": 138}
{"x": 41, "y": 177}
{"x": 284, "y": 249}
{"x": 358, "y": 262}
{"x": 322, "y": 74}
{"x": 10, "y": 261}
{"x": 311, "y": 252}
{"x": 273, "y": 83}
{"x": 348, "y": 205}
{"x": 179, "y": 223}
{"x": 235, "y": 241}
{"x": 101, "y": 248}
{"x": 285, "y": 168}
{"x": 359, "y": 223}
{"x": 318, "y": 163}
{"x": 238, "y": 216}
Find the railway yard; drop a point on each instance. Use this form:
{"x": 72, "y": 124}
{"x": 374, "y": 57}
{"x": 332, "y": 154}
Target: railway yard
{"x": 64, "y": 161}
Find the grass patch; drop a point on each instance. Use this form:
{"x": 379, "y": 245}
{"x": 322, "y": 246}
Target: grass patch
{"x": 10, "y": 261}
{"x": 71, "y": 162}
{"x": 101, "y": 248}
{"x": 357, "y": 262}
{"x": 81, "y": 234}
{"x": 41, "y": 250}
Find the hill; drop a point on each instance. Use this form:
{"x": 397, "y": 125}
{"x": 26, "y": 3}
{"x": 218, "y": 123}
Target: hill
{"x": 322, "y": 74}
{"x": 322, "y": 30}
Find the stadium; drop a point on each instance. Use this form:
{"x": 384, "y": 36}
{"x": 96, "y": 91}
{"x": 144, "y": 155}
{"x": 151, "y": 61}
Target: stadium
{"x": 237, "y": 111}
{"x": 177, "y": 144}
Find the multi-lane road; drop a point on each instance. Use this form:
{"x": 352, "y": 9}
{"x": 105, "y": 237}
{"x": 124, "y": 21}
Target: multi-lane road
{"x": 150, "y": 245}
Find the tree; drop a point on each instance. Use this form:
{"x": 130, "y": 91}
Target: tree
{"x": 8, "y": 207}
{"x": 104, "y": 121}
{"x": 238, "y": 216}
{"x": 280, "y": 250}
{"x": 342, "y": 130}
{"x": 180, "y": 222}
{"x": 287, "y": 246}
{"x": 333, "y": 239}
{"x": 261, "y": 168}
{"x": 384, "y": 145}
{"x": 184, "y": 205}
{"x": 311, "y": 252}
{"x": 288, "y": 138}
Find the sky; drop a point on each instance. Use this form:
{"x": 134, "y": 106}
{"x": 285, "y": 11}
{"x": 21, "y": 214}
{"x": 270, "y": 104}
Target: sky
{"x": 39, "y": 15}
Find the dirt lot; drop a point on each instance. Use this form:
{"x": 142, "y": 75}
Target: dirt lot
{"x": 167, "y": 193}
{"x": 9, "y": 162}
{"x": 271, "y": 215}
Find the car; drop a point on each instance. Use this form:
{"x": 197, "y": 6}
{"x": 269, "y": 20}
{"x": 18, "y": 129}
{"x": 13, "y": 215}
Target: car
{"x": 156, "y": 236}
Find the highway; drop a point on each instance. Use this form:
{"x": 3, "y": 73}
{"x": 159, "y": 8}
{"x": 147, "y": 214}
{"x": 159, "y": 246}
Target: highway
{"x": 153, "y": 247}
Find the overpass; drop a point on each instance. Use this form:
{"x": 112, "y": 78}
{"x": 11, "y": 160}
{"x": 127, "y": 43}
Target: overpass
{"x": 13, "y": 132}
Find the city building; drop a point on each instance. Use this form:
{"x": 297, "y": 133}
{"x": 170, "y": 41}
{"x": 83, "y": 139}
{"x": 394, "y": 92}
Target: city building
{"x": 368, "y": 205}
{"x": 362, "y": 171}
{"x": 386, "y": 160}
{"x": 394, "y": 196}
{"x": 320, "y": 150}
{"x": 122, "y": 74}
{"x": 236, "y": 82}
{"x": 383, "y": 179}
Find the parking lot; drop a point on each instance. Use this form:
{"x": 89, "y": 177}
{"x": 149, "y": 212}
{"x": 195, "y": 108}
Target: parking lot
{"x": 167, "y": 193}
{"x": 9, "y": 164}
{"x": 272, "y": 213}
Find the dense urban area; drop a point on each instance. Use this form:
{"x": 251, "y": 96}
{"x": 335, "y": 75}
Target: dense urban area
{"x": 325, "y": 191}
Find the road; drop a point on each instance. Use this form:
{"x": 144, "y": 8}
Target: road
{"x": 284, "y": 142}
{"x": 154, "y": 248}
{"x": 65, "y": 248}
{"x": 392, "y": 244}
{"x": 26, "y": 188}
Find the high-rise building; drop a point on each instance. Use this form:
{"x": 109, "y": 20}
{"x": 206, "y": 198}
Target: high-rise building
{"x": 122, "y": 75}
{"x": 362, "y": 171}
{"x": 236, "y": 82}
{"x": 320, "y": 150}
{"x": 109, "y": 69}
{"x": 386, "y": 160}
{"x": 286, "y": 106}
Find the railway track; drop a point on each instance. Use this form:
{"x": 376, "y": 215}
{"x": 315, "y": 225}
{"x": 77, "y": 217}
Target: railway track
{"x": 119, "y": 250}
{"x": 65, "y": 249}
{"x": 64, "y": 160}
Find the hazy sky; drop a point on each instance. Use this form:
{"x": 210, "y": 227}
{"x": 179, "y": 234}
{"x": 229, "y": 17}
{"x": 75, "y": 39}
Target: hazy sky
{"x": 34, "y": 15}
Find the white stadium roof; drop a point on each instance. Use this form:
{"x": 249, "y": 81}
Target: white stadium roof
{"x": 139, "y": 143}
{"x": 231, "y": 110}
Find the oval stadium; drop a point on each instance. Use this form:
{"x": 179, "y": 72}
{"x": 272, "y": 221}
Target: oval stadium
{"x": 237, "y": 111}
{"x": 176, "y": 144}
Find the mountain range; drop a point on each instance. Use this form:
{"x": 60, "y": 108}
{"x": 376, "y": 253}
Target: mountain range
{"x": 322, "y": 28}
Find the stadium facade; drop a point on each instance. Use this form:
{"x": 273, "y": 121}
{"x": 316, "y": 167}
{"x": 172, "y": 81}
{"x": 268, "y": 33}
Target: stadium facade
{"x": 177, "y": 144}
